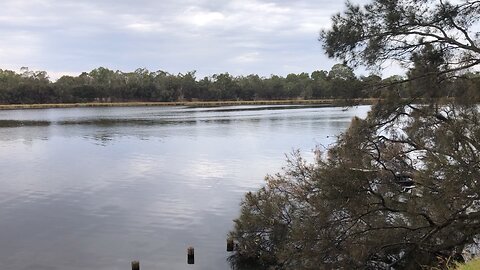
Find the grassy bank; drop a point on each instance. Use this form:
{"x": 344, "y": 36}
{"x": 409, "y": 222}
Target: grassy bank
{"x": 326, "y": 102}
{"x": 472, "y": 265}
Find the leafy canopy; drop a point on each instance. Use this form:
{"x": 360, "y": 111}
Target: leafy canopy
{"x": 387, "y": 30}
{"x": 401, "y": 188}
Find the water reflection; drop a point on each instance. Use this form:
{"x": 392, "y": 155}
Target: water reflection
{"x": 22, "y": 123}
{"x": 99, "y": 187}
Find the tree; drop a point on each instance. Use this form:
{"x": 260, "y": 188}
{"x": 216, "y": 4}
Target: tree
{"x": 394, "y": 30}
{"x": 225, "y": 86}
{"x": 250, "y": 86}
{"x": 401, "y": 189}
{"x": 320, "y": 84}
{"x": 369, "y": 85}
{"x": 298, "y": 85}
{"x": 188, "y": 85}
{"x": 274, "y": 88}
{"x": 344, "y": 84}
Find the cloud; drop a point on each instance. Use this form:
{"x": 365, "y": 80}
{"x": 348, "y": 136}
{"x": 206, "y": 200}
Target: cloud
{"x": 17, "y": 47}
{"x": 210, "y": 36}
{"x": 247, "y": 57}
{"x": 199, "y": 17}
{"x": 144, "y": 27}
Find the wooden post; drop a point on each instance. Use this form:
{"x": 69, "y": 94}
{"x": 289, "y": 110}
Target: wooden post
{"x": 190, "y": 255}
{"x": 230, "y": 245}
{"x": 135, "y": 265}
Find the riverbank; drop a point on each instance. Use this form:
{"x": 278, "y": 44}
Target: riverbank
{"x": 471, "y": 265}
{"x": 324, "y": 102}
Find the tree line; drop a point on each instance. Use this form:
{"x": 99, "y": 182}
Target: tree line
{"x": 105, "y": 85}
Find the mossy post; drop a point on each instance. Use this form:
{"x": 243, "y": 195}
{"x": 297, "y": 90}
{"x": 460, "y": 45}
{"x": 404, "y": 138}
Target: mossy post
{"x": 190, "y": 255}
{"x": 135, "y": 265}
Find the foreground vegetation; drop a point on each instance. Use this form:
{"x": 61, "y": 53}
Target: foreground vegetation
{"x": 401, "y": 189}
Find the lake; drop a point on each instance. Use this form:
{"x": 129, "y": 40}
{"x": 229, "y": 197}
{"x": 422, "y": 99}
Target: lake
{"x": 95, "y": 188}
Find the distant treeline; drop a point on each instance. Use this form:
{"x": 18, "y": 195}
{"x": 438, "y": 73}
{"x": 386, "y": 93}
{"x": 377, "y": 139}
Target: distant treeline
{"x": 105, "y": 85}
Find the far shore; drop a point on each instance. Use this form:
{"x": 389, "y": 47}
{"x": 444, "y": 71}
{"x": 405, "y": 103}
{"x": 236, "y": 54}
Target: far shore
{"x": 320, "y": 102}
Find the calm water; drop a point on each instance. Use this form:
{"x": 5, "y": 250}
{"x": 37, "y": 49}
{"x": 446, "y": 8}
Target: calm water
{"x": 95, "y": 188}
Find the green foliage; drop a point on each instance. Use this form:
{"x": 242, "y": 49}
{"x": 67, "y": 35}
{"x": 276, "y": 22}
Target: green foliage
{"x": 105, "y": 85}
{"x": 400, "y": 189}
{"x": 395, "y": 30}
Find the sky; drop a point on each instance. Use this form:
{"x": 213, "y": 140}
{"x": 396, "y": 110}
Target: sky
{"x": 241, "y": 37}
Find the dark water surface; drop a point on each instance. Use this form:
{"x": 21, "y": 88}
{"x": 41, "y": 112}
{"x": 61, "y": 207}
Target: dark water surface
{"x": 95, "y": 188}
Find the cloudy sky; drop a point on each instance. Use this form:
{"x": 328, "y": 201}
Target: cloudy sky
{"x": 210, "y": 36}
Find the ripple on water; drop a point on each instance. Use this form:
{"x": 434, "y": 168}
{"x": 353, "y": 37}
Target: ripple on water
{"x": 96, "y": 188}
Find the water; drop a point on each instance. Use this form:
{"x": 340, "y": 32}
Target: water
{"x": 95, "y": 188}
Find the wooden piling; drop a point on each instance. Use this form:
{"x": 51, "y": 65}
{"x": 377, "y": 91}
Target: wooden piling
{"x": 190, "y": 255}
{"x": 135, "y": 265}
{"x": 230, "y": 245}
